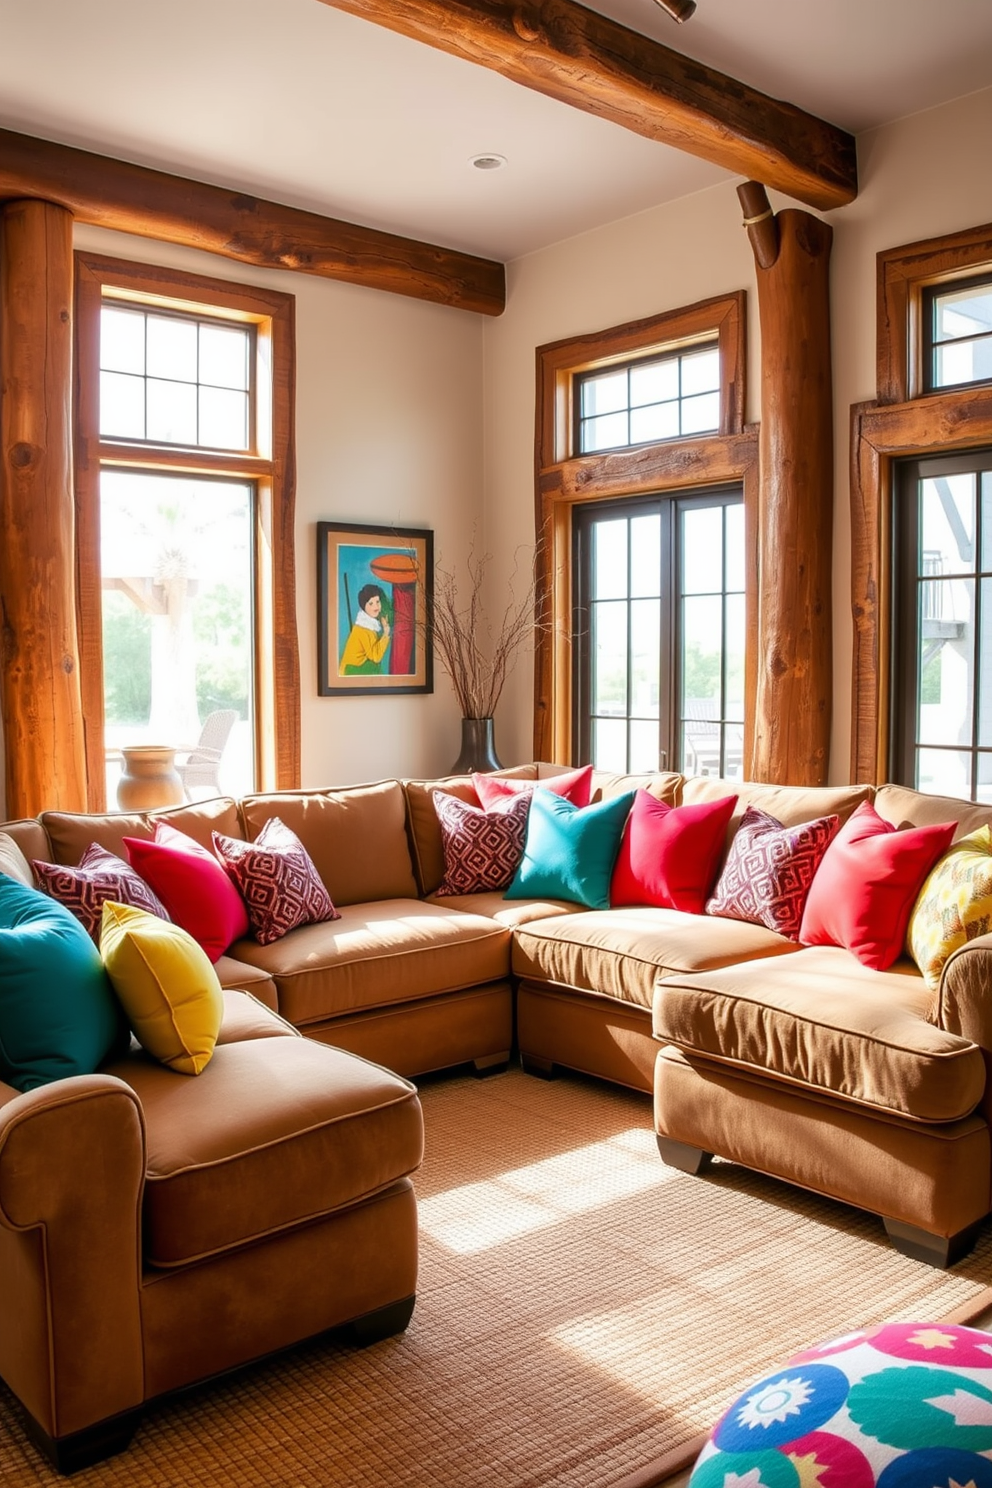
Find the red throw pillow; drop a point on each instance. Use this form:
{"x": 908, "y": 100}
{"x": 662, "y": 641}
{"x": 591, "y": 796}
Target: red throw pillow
{"x": 277, "y": 879}
{"x": 769, "y": 870}
{"x": 193, "y": 886}
{"x": 481, "y": 848}
{"x": 574, "y": 785}
{"x": 670, "y": 854}
{"x": 101, "y": 875}
{"x": 864, "y": 892}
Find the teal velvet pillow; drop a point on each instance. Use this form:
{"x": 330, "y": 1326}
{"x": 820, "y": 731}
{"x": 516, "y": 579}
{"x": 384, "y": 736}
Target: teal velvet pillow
{"x": 570, "y": 850}
{"x": 58, "y": 1013}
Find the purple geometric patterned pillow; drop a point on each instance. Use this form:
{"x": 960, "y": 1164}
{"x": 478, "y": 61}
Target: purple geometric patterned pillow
{"x": 277, "y": 879}
{"x": 481, "y": 848}
{"x": 769, "y": 869}
{"x": 101, "y": 875}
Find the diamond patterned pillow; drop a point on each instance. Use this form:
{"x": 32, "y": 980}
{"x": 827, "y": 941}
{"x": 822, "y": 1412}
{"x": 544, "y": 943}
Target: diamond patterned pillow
{"x": 481, "y": 848}
{"x": 276, "y": 878}
{"x": 954, "y": 906}
{"x": 100, "y": 876}
{"x": 769, "y": 869}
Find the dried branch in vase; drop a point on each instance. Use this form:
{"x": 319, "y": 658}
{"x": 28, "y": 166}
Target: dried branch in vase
{"x": 477, "y": 654}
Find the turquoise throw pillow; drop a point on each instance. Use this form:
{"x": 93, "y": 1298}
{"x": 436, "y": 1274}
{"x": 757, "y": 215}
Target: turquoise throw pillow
{"x": 58, "y": 1013}
{"x": 570, "y": 850}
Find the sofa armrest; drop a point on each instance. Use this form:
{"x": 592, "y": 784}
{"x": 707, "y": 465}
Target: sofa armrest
{"x": 72, "y": 1167}
{"x": 964, "y": 1002}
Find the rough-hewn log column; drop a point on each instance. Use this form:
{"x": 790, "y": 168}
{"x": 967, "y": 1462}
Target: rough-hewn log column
{"x": 39, "y": 663}
{"x": 795, "y": 502}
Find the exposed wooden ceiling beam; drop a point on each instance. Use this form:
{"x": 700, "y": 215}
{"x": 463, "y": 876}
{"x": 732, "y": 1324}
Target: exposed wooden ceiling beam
{"x": 132, "y": 198}
{"x": 593, "y": 63}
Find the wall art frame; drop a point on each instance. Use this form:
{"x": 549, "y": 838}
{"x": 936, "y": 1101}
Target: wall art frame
{"x": 374, "y": 606}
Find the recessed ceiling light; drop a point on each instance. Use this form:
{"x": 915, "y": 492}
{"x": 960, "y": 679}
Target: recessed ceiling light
{"x": 489, "y": 161}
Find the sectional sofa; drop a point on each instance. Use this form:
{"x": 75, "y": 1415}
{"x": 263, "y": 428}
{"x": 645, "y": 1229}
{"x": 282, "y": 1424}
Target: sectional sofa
{"x": 800, "y": 1062}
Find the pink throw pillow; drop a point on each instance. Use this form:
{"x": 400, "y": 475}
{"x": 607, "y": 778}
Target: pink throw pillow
{"x": 276, "y": 878}
{"x": 193, "y": 886}
{"x": 670, "y": 854}
{"x": 574, "y": 785}
{"x": 863, "y": 895}
{"x": 482, "y": 849}
{"x": 101, "y": 875}
{"x": 769, "y": 870}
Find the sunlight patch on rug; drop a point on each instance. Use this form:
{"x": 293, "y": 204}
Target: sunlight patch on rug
{"x": 476, "y": 1216}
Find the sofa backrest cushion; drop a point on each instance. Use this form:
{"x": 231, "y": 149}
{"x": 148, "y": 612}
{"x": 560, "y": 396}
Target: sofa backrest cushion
{"x": 904, "y": 807}
{"x": 665, "y": 786}
{"x": 356, "y": 837}
{"x": 14, "y": 863}
{"x": 426, "y": 847}
{"x": 30, "y": 836}
{"x": 71, "y": 833}
{"x": 790, "y": 804}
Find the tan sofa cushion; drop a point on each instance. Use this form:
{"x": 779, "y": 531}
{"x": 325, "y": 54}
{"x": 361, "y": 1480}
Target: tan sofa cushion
{"x": 273, "y": 1133}
{"x": 789, "y": 804}
{"x": 71, "y": 834}
{"x": 355, "y": 836}
{"x": 621, "y": 952}
{"x": 822, "y": 1020}
{"x": 910, "y": 808}
{"x": 425, "y": 831}
{"x": 377, "y": 955}
{"x": 240, "y": 974}
{"x": 505, "y": 911}
{"x": 14, "y": 863}
{"x": 664, "y": 787}
{"x": 247, "y": 1018}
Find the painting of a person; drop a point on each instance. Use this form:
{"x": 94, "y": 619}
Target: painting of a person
{"x": 368, "y": 641}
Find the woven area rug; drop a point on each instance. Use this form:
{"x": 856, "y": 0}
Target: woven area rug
{"x": 584, "y": 1313}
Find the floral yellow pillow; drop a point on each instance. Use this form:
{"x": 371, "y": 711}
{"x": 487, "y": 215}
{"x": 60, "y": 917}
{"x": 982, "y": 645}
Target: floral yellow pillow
{"x": 954, "y": 905}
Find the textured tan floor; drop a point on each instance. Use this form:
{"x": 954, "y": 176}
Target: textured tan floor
{"x": 582, "y": 1310}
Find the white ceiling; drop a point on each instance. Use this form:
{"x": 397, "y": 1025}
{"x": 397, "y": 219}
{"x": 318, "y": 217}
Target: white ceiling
{"x": 298, "y": 102}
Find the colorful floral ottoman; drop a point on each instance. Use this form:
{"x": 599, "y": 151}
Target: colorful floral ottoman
{"x": 907, "y": 1405}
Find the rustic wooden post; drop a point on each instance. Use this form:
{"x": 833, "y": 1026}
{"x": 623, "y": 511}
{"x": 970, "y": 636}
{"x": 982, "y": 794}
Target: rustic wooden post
{"x": 795, "y": 500}
{"x": 39, "y": 661}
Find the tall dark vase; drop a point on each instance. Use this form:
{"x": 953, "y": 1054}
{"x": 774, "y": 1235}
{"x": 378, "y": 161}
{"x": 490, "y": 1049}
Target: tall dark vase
{"x": 478, "y": 750}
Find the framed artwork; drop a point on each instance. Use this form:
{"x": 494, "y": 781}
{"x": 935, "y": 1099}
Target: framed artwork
{"x": 374, "y": 589}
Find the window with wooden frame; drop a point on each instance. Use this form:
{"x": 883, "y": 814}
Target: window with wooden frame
{"x": 185, "y": 509}
{"x": 920, "y": 456}
{"x": 594, "y": 501}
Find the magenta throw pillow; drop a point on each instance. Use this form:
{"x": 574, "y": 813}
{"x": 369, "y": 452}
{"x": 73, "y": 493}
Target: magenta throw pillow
{"x": 669, "y": 855}
{"x": 193, "y": 886}
{"x": 769, "y": 869}
{"x": 481, "y": 848}
{"x": 277, "y": 880}
{"x": 865, "y": 892}
{"x": 99, "y": 876}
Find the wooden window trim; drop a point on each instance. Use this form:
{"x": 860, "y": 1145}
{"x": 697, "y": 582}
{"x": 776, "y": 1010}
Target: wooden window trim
{"x": 271, "y": 466}
{"x": 903, "y": 276}
{"x": 564, "y": 480}
{"x": 941, "y": 423}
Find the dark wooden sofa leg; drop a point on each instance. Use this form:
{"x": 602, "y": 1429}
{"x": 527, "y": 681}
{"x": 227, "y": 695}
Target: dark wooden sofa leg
{"x": 535, "y": 1064}
{"x": 385, "y": 1322}
{"x": 937, "y": 1250}
{"x": 491, "y": 1064}
{"x": 678, "y": 1155}
{"x": 70, "y": 1454}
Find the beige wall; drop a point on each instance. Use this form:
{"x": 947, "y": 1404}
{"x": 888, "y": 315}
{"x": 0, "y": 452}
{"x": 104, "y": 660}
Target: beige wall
{"x": 388, "y": 430}
{"x": 920, "y": 177}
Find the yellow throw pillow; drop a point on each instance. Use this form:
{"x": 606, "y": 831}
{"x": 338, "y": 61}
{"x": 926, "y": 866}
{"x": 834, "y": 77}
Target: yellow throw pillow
{"x": 954, "y": 905}
{"x": 166, "y": 985}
